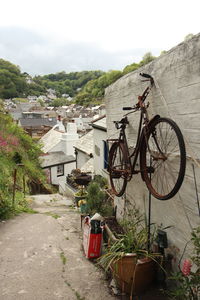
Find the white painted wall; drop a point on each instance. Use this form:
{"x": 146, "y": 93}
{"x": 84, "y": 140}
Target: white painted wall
{"x": 61, "y": 179}
{"x": 68, "y": 140}
{"x": 176, "y": 95}
{"x": 99, "y": 136}
{"x": 82, "y": 158}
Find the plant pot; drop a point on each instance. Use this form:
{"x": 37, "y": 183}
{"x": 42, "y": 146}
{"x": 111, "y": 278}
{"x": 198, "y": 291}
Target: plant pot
{"x": 134, "y": 276}
{"x": 83, "y": 179}
{"x": 78, "y": 198}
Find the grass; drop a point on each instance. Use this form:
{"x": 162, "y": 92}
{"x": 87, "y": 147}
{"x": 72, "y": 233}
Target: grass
{"x": 55, "y": 216}
{"x": 63, "y": 258}
{"x": 78, "y": 296}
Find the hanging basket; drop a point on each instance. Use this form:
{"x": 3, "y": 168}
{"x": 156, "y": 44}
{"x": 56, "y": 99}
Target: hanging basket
{"x": 83, "y": 179}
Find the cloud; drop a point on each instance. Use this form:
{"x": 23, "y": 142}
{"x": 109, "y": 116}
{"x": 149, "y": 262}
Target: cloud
{"x": 38, "y": 55}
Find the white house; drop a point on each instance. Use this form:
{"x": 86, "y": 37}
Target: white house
{"x": 84, "y": 152}
{"x": 100, "y": 151}
{"x": 57, "y": 166}
{"x": 59, "y": 160}
{"x": 59, "y": 140}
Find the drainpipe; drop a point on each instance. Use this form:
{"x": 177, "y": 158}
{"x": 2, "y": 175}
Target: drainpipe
{"x": 76, "y": 154}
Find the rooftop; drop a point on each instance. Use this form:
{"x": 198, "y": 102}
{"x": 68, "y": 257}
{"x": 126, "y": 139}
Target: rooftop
{"x": 50, "y": 139}
{"x": 55, "y": 158}
{"x": 85, "y": 143}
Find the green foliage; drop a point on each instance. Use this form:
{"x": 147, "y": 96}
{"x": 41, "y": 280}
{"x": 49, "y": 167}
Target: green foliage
{"x": 59, "y": 102}
{"x": 96, "y": 201}
{"x": 16, "y": 147}
{"x": 102, "y": 181}
{"x": 147, "y": 58}
{"x": 188, "y": 285}
{"x": 133, "y": 240}
{"x": 130, "y": 68}
{"x": 12, "y": 82}
{"x": 93, "y": 91}
{"x": 62, "y": 82}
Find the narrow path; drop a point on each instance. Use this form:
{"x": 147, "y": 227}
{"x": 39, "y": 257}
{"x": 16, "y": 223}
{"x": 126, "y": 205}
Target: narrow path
{"x": 41, "y": 256}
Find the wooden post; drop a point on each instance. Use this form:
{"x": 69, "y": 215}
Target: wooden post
{"x": 24, "y": 186}
{"x": 14, "y": 186}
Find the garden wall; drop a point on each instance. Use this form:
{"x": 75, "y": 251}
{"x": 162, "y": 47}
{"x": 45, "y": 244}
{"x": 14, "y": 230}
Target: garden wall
{"x": 176, "y": 95}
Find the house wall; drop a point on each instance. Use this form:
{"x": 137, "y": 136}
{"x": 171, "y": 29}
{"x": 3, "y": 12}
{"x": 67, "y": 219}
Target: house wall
{"x": 82, "y": 158}
{"x": 60, "y": 180}
{"x": 99, "y": 136}
{"x": 176, "y": 95}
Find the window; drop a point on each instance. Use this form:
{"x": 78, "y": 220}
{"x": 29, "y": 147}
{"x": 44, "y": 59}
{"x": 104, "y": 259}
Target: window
{"x": 60, "y": 170}
{"x": 105, "y": 151}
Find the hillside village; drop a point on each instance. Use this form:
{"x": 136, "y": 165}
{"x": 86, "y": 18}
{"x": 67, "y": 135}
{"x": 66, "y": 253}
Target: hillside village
{"x": 65, "y": 133}
{"x": 74, "y": 138}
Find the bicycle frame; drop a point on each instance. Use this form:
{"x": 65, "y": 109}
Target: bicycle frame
{"x": 144, "y": 125}
{"x": 159, "y": 146}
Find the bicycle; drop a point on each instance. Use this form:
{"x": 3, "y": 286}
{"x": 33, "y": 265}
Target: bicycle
{"x": 160, "y": 147}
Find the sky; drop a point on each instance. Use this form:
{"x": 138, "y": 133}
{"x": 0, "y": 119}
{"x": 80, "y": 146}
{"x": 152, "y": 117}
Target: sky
{"x": 48, "y": 36}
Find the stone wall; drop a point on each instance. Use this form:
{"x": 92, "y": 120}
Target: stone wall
{"x": 176, "y": 95}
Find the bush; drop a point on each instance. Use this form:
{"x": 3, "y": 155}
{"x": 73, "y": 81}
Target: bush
{"x": 96, "y": 201}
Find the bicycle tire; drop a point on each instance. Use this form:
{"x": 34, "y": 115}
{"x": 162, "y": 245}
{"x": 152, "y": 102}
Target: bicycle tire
{"x": 163, "y": 159}
{"x": 118, "y": 167}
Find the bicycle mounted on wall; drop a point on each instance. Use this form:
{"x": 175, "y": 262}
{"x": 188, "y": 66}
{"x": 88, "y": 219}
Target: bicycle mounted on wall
{"x": 160, "y": 147}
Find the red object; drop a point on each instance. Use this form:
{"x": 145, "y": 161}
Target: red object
{"x": 92, "y": 242}
{"x": 186, "y": 269}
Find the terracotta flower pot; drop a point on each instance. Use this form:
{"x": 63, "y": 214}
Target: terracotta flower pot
{"x": 133, "y": 275}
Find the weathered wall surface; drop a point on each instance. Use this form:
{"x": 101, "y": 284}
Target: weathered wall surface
{"x": 176, "y": 95}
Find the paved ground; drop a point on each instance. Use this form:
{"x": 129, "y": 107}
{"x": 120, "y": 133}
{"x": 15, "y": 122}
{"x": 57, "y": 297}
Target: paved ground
{"x": 41, "y": 256}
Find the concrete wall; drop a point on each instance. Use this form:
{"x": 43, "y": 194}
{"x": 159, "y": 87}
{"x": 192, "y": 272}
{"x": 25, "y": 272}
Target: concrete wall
{"x": 176, "y": 95}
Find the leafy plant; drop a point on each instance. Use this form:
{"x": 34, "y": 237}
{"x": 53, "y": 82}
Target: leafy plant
{"x": 133, "y": 240}
{"x": 187, "y": 281}
{"x": 18, "y": 155}
{"x": 96, "y": 201}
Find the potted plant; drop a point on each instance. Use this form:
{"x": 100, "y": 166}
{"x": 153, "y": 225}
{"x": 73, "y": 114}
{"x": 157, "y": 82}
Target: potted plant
{"x": 80, "y": 195}
{"x": 132, "y": 265}
{"x": 97, "y": 200}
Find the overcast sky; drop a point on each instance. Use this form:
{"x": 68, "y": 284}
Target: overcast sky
{"x": 48, "y": 36}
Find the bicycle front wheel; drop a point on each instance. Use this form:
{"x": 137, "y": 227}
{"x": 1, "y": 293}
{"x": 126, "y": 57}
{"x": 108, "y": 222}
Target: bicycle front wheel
{"x": 119, "y": 168}
{"x": 163, "y": 159}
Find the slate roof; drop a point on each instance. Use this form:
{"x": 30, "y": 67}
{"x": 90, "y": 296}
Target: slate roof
{"x": 88, "y": 167}
{"x": 55, "y": 158}
{"x": 37, "y": 122}
{"x": 85, "y": 143}
{"x": 50, "y": 139}
{"x": 100, "y": 123}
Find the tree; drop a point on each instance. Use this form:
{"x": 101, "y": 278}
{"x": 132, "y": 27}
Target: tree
{"x": 147, "y": 58}
{"x": 130, "y": 68}
{"x": 12, "y": 82}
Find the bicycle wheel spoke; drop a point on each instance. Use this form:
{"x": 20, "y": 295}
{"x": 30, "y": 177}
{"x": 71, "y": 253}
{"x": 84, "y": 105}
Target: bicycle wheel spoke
{"x": 118, "y": 168}
{"x": 166, "y": 149}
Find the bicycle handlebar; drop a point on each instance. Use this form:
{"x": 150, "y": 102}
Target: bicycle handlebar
{"x": 146, "y": 75}
{"x": 127, "y": 108}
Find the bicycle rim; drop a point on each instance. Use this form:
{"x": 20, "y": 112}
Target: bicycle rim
{"x": 118, "y": 168}
{"x": 163, "y": 159}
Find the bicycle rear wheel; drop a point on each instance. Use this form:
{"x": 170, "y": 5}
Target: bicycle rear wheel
{"x": 119, "y": 168}
{"x": 163, "y": 159}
